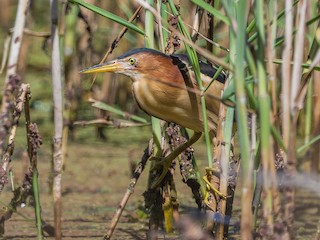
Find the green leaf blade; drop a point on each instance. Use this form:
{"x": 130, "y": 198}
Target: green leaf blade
{"x": 108, "y": 15}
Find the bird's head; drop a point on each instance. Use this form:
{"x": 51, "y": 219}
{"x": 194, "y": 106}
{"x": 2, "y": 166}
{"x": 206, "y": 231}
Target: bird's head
{"x": 135, "y": 63}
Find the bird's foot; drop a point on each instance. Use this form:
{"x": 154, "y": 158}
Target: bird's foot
{"x": 207, "y": 179}
{"x": 163, "y": 163}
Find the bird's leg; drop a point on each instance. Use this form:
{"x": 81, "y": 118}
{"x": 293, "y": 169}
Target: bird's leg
{"x": 165, "y": 162}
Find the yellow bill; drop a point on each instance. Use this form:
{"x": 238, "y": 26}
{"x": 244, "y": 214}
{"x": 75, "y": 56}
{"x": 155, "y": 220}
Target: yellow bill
{"x": 100, "y": 68}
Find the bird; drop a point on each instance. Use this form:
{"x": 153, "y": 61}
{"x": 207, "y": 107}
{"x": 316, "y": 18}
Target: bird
{"x": 164, "y": 86}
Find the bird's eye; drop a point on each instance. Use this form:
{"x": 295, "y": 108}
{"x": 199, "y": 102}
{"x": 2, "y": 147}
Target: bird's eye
{"x": 132, "y": 61}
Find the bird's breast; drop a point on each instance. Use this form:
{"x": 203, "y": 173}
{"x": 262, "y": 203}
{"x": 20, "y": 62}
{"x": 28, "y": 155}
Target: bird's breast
{"x": 170, "y": 103}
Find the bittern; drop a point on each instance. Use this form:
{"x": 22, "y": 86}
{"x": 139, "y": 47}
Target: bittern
{"x": 165, "y": 87}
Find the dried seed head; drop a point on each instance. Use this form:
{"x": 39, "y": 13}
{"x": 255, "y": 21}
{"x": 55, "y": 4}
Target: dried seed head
{"x": 34, "y": 137}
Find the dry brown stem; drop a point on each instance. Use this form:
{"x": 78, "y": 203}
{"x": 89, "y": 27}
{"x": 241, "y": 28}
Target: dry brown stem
{"x": 116, "y": 123}
{"x": 137, "y": 172}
